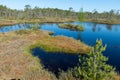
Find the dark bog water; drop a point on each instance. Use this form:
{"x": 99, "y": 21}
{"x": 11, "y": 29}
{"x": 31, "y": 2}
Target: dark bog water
{"x": 110, "y": 34}
{"x": 56, "y": 61}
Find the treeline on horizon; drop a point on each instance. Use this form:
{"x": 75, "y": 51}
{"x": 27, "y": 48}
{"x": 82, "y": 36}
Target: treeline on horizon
{"x": 39, "y": 13}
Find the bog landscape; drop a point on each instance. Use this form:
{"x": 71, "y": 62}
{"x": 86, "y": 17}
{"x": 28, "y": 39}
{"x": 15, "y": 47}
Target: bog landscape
{"x": 59, "y": 43}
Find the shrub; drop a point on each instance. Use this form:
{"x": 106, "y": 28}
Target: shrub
{"x": 35, "y": 26}
{"x": 72, "y": 27}
{"x": 81, "y": 15}
{"x": 67, "y": 75}
{"x": 79, "y": 28}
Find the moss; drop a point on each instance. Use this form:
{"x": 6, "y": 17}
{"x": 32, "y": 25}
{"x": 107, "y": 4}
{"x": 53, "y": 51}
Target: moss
{"x": 72, "y": 27}
{"x": 61, "y": 44}
{"x": 28, "y": 52}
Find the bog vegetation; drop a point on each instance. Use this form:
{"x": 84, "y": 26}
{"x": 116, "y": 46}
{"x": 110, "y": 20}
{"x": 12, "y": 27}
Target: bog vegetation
{"x": 72, "y": 27}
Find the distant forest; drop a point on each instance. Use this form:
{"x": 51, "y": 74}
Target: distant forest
{"x": 41, "y": 13}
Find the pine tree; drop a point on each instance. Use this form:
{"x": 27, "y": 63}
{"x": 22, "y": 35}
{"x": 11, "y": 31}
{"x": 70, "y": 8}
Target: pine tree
{"x": 81, "y": 15}
{"x": 93, "y": 65}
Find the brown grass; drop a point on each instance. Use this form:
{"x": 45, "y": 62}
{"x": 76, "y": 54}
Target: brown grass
{"x": 117, "y": 77}
{"x": 6, "y": 22}
{"x": 16, "y": 63}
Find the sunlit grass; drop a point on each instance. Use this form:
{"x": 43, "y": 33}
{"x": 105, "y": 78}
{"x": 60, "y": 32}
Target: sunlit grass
{"x": 61, "y": 44}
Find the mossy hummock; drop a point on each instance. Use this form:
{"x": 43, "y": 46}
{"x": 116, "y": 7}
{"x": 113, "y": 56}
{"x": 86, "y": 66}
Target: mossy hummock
{"x": 72, "y": 27}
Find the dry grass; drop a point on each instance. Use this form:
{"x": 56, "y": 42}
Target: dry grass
{"x": 50, "y": 20}
{"x": 16, "y": 63}
{"x": 117, "y": 77}
{"x": 7, "y": 22}
{"x": 103, "y": 21}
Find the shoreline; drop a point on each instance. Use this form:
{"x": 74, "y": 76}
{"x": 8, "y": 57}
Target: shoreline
{"x": 49, "y": 20}
{"x": 102, "y": 22}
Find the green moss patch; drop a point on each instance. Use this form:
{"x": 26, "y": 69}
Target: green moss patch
{"x": 61, "y": 44}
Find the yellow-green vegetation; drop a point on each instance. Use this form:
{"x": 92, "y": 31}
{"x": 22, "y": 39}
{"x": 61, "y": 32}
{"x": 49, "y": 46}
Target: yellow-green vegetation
{"x": 72, "y": 27}
{"x": 61, "y": 44}
{"x": 35, "y": 26}
{"x": 81, "y": 15}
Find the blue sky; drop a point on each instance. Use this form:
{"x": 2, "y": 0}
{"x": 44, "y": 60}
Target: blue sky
{"x": 88, "y": 5}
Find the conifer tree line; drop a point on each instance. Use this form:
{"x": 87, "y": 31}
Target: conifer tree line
{"x": 35, "y": 12}
{"x": 39, "y": 13}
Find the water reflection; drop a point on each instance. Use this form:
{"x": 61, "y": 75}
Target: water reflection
{"x": 94, "y": 27}
{"x": 109, "y": 27}
{"x": 15, "y": 27}
{"x": 79, "y": 36}
{"x": 97, "y": 27}
{"x": 1, "y": 29}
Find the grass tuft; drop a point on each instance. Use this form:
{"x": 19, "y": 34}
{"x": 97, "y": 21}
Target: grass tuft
{"x": 72, "y": 27}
